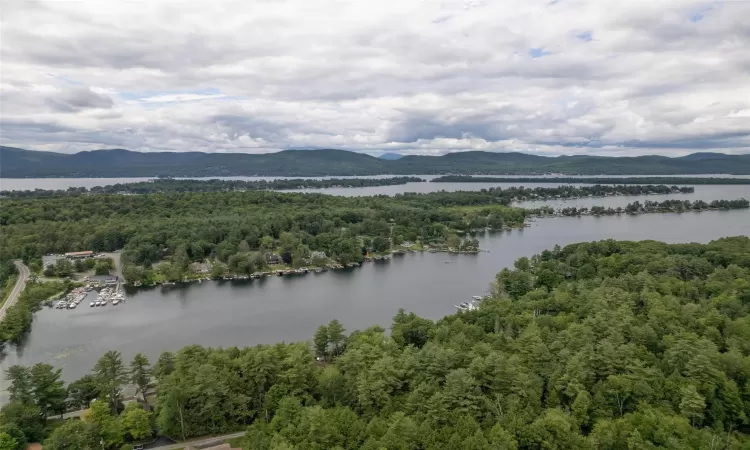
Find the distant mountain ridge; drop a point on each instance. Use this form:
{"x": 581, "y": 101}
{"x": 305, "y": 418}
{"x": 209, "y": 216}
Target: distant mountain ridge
{"x": 20, "y": 163}
{"x": 391, "y": 156}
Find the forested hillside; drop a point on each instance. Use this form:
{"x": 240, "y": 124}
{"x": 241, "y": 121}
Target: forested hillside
{"x": 20, "y": 163}
{"x": 603, "y": 345}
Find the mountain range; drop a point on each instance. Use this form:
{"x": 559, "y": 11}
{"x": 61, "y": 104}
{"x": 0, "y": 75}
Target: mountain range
{"x": 21, "y": 163}
{"x": 391, "y": 156}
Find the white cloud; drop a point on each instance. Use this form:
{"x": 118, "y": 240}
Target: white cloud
{"x": 179, "y": 98}
{"x": 428, "y": 76}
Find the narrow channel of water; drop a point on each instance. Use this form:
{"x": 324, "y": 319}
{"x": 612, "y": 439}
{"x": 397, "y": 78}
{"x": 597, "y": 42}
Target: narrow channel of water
{"x": 291, "y": 308}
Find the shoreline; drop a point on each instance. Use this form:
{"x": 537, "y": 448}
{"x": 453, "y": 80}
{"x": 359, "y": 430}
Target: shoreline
{"x": 289, "y": 271}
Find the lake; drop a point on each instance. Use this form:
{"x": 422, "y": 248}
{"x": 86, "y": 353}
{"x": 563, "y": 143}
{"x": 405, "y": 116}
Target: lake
{"x": 291, "y": 308}
{"x": 29, "y": 184}
{"x": 14, "y": 184}
{"x": 702, "y": 192}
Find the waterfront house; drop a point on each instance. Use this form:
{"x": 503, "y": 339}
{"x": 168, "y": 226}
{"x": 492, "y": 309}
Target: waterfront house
{"x": 273, "y": 258}
{"x": 318, "y": 255}
{"x": 198, "y": 267}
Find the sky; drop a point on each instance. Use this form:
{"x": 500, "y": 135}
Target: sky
{"x": 602, "y": 77}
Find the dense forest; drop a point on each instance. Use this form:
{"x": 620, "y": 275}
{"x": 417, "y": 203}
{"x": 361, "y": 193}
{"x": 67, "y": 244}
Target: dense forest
{"x": 591, "y": 180}
{"x": 149, "y": 227}
{"x": 198, "y": 225}
{"x": 161, "y": 185}
{"x": 603, "y": 345}
{"x": 19, "y": 163}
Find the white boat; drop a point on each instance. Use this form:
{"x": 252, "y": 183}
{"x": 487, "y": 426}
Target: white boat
{"x": 466, "y": 306}
{"x": 115, "y": 301}
{"x": 477, "y": 297}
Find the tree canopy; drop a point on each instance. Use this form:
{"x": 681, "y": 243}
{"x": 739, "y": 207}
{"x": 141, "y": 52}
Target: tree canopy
{"x": 601, "y": 345}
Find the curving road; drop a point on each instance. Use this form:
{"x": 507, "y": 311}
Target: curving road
{"x": 198, "y": 442}
{"x": 23, "y": 275}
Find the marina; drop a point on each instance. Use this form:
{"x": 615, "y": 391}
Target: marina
{"x": 105, "y": 296}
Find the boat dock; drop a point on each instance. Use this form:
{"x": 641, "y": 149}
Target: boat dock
{"x": 105, "y": 296}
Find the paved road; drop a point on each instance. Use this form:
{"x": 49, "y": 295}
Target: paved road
{"x": 199, "y": 442}
{"x": 23, "y": 275}
{"x": 116, "y": 259}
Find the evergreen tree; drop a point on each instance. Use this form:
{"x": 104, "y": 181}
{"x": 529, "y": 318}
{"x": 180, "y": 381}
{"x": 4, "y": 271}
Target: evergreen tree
{"x": 111, "y": 374}
{"x": 321, "y": 341}
{"x": 140, "y": 374}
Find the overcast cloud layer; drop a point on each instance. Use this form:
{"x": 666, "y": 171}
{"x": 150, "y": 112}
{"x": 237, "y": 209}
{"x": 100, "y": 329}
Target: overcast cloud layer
{"x": 602, "y": 77}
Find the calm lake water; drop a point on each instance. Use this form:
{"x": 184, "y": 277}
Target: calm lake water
{"x": 15, "y": 184}
{"x": 28, "y": 184}
{"x": 291, "y": 308}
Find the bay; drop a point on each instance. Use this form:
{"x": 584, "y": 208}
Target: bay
{"x": 291, "y": 308}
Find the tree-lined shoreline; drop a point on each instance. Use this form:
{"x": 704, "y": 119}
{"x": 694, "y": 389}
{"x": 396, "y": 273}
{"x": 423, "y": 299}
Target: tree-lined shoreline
{"x": 164, "y": 236}
{"x": 587, "y": 346}
{"x": 648, "y": 207}
{"x": 591, "y": 180}
{"x": 166, "y": 185}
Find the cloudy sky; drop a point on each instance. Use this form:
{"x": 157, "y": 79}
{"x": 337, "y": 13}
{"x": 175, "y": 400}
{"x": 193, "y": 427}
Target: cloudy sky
{"x": 412, "y": 76}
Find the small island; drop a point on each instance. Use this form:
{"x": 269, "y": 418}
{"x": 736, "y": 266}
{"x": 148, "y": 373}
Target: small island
{"x": 163, "y": 185}
{"x": 672, "y": 206}
{"x": 590, "y": 180}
